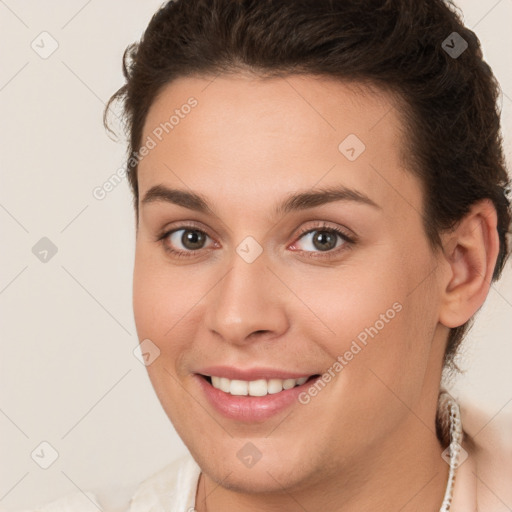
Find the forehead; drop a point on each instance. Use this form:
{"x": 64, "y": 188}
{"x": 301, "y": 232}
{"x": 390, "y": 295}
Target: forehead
{"x": 266, "y": 135}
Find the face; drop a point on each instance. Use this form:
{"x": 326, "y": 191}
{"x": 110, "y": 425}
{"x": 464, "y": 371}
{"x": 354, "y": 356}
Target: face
{"x": 246, "y": 269}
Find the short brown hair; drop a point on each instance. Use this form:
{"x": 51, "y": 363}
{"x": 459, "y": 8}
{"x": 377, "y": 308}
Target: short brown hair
{"x": 402, "y": 46}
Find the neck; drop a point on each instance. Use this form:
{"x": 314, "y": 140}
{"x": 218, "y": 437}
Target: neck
{"x": 405, "y": 473}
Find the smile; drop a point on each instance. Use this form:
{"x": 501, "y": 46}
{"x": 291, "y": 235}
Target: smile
{"x": 254, "y": 400}
{"x": 260, "y": 387}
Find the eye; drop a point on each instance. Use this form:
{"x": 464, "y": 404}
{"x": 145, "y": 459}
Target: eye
{"x": 323, "y": 239}
{"x": 185, "y": 241}
{"x": 191, "y": 239}
{"x": 188, "y": 240}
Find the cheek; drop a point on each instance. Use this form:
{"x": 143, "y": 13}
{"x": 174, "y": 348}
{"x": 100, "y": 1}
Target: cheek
{"x": 367, "y": 314}
{"x": 161, "y": 294}
{"x": 160, "y": 299}
{"x": 351, "y": 299}
{"x": 168, "y": 304}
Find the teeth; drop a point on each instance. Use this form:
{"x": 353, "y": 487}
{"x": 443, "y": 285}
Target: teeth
{"x": 288, "y": 383}
{"x": 258, "y": 387}
{"x": 274, "y": 386}
{"x": 224, "y": 384}
{"x": 239, "y": 387}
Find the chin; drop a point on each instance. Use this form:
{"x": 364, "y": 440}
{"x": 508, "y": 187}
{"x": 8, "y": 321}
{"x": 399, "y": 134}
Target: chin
{"x": 275, "y": 470}
{"x": 260, "y": 479}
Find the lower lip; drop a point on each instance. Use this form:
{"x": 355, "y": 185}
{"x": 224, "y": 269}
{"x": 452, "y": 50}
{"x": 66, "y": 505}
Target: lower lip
{"x": 251, "y": 408}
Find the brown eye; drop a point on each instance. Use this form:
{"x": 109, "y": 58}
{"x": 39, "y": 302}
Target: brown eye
{"x": 185, "y": 239}
{"x": 324, "y": 240}
{"x": 320, "y": 240}
{"x": 193, "y": 239}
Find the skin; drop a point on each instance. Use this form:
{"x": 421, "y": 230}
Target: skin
{"x": 367, "y": 440}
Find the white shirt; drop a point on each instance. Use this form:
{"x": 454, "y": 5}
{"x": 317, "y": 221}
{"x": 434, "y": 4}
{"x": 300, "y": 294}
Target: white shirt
{"x": 171, "y": 489}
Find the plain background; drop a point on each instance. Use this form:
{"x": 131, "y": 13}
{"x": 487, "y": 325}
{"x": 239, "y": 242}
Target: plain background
{"x": 68, "y": 374}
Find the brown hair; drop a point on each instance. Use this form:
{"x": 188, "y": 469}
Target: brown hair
{"x": 454, "y": 141}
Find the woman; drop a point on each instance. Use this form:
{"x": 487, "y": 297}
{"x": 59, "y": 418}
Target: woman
{"x": 321, "y": 205}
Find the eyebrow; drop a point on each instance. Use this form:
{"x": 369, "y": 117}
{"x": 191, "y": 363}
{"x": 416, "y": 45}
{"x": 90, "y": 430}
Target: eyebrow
{"x": 294, "y": 202}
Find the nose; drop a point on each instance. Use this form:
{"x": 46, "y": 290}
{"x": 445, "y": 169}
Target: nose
{"x": 248, "y": 303}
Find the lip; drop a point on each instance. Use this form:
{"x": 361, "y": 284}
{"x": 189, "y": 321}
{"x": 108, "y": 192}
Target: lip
{"x": 251, "y": 409}
{"x": 232, "y": 373}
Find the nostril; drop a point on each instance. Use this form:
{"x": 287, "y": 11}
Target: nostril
{"x": 260, "y": 332}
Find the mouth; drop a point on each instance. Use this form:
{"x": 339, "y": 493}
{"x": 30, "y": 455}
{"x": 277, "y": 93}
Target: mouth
{"x": 256, "y": 388}
{"x": 253, "y": 401}
{"x": 252, "y": 395}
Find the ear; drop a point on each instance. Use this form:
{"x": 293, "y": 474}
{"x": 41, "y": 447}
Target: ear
{"x": 470, "y": 252}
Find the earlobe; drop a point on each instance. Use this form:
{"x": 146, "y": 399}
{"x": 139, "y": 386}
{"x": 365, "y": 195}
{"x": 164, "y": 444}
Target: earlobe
{"x": 470, "y": 252}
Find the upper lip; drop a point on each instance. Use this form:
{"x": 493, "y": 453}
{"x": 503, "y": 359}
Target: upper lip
{"x": 249, "y": 374}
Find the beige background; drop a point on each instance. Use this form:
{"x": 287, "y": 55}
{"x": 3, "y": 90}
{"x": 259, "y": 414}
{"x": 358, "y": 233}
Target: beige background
{"x": 68, "y": 375}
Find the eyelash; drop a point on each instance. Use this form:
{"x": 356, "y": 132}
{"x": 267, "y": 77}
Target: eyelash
{"x": 348, "y": 241}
